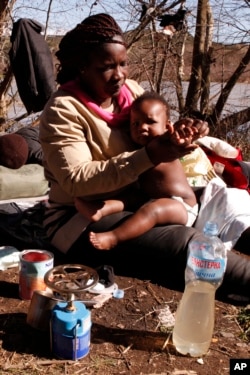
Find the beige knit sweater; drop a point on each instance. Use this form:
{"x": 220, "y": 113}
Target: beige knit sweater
{"x": 84, "y": 157}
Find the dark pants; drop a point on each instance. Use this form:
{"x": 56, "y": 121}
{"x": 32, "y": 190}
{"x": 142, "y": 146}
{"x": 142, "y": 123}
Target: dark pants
{"x": 159, "y": 255}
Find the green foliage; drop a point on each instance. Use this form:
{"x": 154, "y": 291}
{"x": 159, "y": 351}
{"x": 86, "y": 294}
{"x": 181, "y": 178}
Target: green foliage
{"x": 243, "y": 319}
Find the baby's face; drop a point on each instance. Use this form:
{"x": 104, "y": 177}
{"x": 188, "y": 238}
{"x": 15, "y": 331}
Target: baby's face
{"x": 148, "y": 120}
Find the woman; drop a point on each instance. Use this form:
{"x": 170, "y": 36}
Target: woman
{"x": 88, "y": 153}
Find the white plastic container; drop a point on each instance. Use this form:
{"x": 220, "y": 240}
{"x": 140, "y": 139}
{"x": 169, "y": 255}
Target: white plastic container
{"x": 9, "y": 257}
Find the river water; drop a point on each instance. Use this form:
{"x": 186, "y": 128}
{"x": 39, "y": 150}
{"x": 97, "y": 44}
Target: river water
{"x": 238, "y": 100}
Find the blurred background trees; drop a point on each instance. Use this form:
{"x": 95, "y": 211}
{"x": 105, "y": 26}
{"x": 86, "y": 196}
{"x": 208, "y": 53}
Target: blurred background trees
{"x": 196, "y": 53}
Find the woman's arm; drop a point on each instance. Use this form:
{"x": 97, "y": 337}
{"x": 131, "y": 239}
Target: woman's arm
{"x": 83, "y": 155}
{"x": 179, "y": 143}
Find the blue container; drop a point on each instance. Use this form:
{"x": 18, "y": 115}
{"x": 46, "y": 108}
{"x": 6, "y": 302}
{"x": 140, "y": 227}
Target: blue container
{"x": 70, "y": 330}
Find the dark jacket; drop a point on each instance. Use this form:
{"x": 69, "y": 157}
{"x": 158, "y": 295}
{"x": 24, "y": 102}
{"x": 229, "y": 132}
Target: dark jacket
{"x": 32, "y": 64}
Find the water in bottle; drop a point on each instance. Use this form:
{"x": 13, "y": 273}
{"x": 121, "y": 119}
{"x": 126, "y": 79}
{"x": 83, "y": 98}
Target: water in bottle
{"x": 194, "y": 320}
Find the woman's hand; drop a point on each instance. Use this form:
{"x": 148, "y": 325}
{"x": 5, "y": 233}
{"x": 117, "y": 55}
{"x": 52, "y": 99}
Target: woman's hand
{"x": 188, "y": 130}
{"x": 168, "y": 147}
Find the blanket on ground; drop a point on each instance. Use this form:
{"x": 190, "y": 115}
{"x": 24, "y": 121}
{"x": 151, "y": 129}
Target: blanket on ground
{"x": 27, "y": 181}
{"x": 21, "y": 225}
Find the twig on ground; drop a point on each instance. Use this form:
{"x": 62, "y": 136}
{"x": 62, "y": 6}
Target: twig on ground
{"x": 145, "y": 315}
{"x": 124, "y": 357}
{"x": 153, "y": 293}
{"x": 221, "y": 351}
{"x": 167, "y": 341}
{"x": 127, "y": 349}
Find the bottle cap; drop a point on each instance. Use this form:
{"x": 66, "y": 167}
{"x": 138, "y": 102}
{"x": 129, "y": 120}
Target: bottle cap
{"x": 211, "y": 228}
{"x": 118, "y": 293}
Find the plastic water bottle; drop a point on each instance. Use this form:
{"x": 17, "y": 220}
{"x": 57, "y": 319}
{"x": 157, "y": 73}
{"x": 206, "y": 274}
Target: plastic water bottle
{"x": 194, "y": 319}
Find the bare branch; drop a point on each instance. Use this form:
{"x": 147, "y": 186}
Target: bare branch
{"x": 213, "y": 119}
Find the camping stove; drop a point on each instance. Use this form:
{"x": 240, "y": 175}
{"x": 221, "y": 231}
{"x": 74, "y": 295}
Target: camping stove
{"x": 70, "y": 322}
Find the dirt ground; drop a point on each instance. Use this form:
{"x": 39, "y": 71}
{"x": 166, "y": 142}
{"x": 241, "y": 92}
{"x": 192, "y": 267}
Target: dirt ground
{"x": 127, "y": 336}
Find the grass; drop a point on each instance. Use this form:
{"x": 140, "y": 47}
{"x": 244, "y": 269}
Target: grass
{"x": 243, "y": 319}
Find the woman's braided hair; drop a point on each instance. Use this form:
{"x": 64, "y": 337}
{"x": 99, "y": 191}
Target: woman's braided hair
{"x": 75, "y": 46}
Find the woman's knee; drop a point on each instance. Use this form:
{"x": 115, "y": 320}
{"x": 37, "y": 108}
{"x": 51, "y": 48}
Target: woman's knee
{"x": 242, "y": 244}
{"x": 108, "y": 222}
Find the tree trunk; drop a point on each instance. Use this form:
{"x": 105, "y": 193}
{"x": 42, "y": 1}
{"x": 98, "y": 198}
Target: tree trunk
{"x": 229, "y": 122}
{"x": 180, "y": 69}
{"x": 162, "y": 65}
{"x": 5, "y": 17}
{"x": 205, "y": 89}
{"x": 198, "y": 61}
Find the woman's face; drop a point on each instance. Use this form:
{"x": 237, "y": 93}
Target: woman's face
{"x": 106, "y": 72}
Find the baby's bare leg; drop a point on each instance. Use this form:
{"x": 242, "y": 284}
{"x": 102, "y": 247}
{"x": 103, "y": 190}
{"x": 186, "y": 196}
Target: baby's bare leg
{"x": 95, "y": 210}
{"x": 158, "y": 212}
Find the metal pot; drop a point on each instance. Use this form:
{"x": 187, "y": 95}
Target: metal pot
{"x": 41, "y": 305}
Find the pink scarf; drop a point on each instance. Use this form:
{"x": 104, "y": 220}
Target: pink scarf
{"x": 113, "y": 119}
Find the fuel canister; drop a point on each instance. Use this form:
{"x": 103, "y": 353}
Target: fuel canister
{"x": 70, "y": 330}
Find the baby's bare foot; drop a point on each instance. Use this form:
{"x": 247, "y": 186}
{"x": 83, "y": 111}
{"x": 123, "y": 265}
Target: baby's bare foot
{"x": 91, "y": 210}
{"x": 103, "y": 241}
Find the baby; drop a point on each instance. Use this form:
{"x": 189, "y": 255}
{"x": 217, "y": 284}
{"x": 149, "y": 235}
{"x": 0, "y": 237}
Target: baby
{"x": 168, "y": 196}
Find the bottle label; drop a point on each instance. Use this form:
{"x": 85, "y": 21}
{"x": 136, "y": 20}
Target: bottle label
{"x": 207, "y": 269}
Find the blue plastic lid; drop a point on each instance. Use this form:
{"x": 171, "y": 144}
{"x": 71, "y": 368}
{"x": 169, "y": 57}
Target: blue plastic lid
{"x": 211, "y": 228}
{"x": 118, "y": 293}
